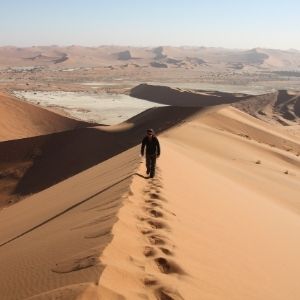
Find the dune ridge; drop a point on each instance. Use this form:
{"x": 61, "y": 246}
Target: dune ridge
{"x": 281, "y": 107}
{"x": 219, "y": 221}
{"x": 67, "y": 153}
{"x": 76, "y": 216}
{"x": 179, "y": 56}
{"x": 184, "y": 98}
{"x": 212, "y": 223}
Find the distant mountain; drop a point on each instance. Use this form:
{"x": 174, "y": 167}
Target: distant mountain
{"x": 124, "y": 55}
{"x": 171, "y": 57}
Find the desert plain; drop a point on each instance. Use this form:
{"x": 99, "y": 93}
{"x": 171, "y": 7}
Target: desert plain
{"x": 79, "y": 217}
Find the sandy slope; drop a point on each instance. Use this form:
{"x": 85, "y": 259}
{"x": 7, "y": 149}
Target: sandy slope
{"x": 242, "y": 124}
{"x": 219, "y": 221}
{"x": 282, "y": 106}
{"x": 52, "y": 241}
{"x": 212, "y": 225}
{"x": 30, "y": 165}
{"x": 20, "y": 119}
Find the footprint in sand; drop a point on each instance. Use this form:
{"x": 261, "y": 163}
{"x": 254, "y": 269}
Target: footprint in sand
{"x": 156, "y": 213}
{"x": 167, "y": 294}
{"x": 168, "y": 267}
{"x": 154, "y": 191}
{"x": 153, "y": 207}
{"x": 146, "y": 190}
{"x": 154, "y": 196}
{"x": 153, "y": 203}
{"x": 146, "y": 231}
{"x": 141, "y": 218}
{"x": 151, "y": 189}
{"x": 149, "y": 251}
{"x": 156, "y": 240}
{"x": 130, "y": 192}
{"x": 155, "y": 183}
{"x": 157, "y": 224}
{"x": 166, "y": 251}
{"x": 150, "y": 280}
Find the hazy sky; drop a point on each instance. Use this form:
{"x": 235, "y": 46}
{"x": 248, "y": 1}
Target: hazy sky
{"x": 224, "y": 23}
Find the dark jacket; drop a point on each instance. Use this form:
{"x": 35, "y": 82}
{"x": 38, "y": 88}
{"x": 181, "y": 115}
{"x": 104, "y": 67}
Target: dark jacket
{"x": 152, "y": 146}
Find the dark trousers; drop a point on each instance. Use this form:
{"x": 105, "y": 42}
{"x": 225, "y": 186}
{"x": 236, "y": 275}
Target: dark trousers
{"x": 150, "y": 164}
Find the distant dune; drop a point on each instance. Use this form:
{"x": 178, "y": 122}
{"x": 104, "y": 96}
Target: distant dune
{"x": 124, "y": 55}
{"x": 199, "y": 57}
{"x": 184, "y": 98}
{"x": 159, "y": 53}
{"x": 282, "y": 106}
{"x": 43, "y": 58}
{"x": 248, "y": 57}
{"x": 156, "y": 64}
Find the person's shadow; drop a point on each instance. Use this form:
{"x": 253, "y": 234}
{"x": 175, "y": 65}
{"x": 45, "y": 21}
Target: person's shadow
{"x": 140, "y": 175}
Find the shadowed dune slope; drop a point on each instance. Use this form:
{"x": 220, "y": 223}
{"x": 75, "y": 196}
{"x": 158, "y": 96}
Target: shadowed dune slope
{"x": 288, "y": 105}
{"x": 282, "y": 106}
{"x": 39, "y": 162}
{"x": 177, "y": 97}
{"x": 20, "y": 120}
{"x": 279, "y": 107}
{"x": 50, "y": 243}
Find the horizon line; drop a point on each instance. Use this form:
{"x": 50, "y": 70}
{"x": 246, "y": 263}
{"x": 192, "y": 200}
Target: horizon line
{"x": 145, "y": 46}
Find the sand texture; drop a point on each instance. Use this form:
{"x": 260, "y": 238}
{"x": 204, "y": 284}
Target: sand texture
{"x": 80, "y": 219}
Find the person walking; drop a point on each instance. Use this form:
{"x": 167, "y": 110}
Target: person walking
{"x": 151, "y": 143}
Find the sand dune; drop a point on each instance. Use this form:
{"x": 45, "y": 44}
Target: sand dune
{"x": 282, "y": 106}
{"x": 50, "y": 243}
{"x": 36, "y": 163}
{"x": 219, "y": 221}
{"x": 124, "y": 55}
{"x": 61, "y": 57}
{"x": 75, "y": 55}
{"x": 288, "y": 105}
{"x": 184, "y": 98}
{"x": 20, "y": 120}
{"x": 214, "y": 224}
{"x": 244, "y": 125}
{"x": 278, "y": 107}
{"x": 69, "y": 68}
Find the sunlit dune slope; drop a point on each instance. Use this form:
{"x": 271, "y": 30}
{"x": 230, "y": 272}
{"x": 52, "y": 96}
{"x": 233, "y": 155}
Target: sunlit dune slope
{"x": 20, "y": 120}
